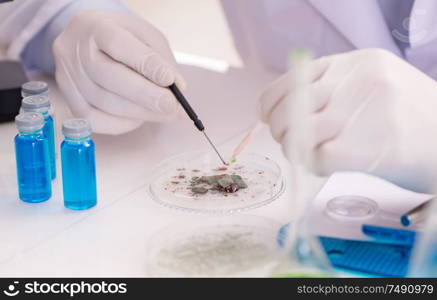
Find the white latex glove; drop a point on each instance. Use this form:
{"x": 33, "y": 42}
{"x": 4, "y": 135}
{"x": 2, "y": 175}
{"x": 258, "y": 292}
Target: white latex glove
{"x": 370, "y": 111}
{"x": 113, "y": 69}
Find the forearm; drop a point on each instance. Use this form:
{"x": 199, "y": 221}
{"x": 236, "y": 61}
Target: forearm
{"x": 37, "y": 52}
{"x": 21, "y": 20}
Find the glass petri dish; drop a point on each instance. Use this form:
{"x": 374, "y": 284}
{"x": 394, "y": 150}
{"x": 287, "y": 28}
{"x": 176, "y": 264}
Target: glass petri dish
{"x": 227, "y": 246}
{"x": 351, "y": 207}
{"x": 171, "y": 180}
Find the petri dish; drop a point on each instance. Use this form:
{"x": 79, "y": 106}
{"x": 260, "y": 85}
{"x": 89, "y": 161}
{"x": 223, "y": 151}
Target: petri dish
{"x": 351, "y": 207}
{"x": 227, "y": 246}
{"x": 170, "y": 183}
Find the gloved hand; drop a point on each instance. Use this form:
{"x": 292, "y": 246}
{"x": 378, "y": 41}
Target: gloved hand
{"x": 370, "y": 111}
{"x": 113, "y": 69}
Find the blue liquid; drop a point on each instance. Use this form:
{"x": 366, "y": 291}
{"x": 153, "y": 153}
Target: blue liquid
{"x": 425, "y": 263}
{"x": 33, "y": 167}
{"x": 79, "y": 173}
{"x": 49, "y": 132}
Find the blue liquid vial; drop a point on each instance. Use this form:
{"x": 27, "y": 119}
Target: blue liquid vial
{"x": 32, "y": 158}
{"x": 41, "y": 104}
{"x": 424, "y": 261}
{"x": 78, "y": 165}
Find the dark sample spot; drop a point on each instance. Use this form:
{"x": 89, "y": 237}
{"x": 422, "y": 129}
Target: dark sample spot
{"x": 239, "y": 181}
{"x": 199, "y": 190}
{"x": 223, "y": 183}
{"x": 175, "y": 182}
{"x": 181, "y": 176}
{"x": 232, "y": 188}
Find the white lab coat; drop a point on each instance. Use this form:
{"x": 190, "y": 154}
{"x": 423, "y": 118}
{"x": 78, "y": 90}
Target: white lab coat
{"x": 265, "y": 30}
{"x": 21, "y": 20}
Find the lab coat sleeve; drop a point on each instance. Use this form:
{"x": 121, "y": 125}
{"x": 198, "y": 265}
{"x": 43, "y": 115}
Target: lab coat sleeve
{"x": 29, "y": 28}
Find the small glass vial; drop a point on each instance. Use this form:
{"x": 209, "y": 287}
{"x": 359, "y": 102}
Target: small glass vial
{"x": 32, "y": 157}
{"x": 78, "y": 165}
{"x": 32, "y": 88}
{"x": 41, "y": 104}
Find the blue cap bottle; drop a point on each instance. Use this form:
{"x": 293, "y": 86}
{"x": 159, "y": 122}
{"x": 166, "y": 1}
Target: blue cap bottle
{"x": 78, "y": 165}
{"x": 32, "y": 158}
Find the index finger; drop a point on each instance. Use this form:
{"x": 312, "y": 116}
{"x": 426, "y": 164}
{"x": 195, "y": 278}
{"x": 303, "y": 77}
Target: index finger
{"x": 125, "y": 48}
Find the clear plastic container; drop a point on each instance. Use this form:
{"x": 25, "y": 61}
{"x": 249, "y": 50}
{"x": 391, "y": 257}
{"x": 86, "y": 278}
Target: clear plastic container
{"x": 170, "y": 183}
{"x": 352, "y": 207}
{"x": 359, "y": 209}
{"x": 227, "y": 246}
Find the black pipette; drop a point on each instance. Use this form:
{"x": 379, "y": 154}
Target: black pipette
{"x": 193, "y": 116}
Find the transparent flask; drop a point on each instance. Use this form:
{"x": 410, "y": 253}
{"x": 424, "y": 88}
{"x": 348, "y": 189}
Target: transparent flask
{"x": 41, "y": 104}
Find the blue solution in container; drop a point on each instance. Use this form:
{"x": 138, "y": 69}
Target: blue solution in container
{"x": 49, "y": 131}
{"x": 41, "y": 104}
{"x": 32, "y": 158}
{"x": 78, "y": 165}
{"x": 364, "y": 257}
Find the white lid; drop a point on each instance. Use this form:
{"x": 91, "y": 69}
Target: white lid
{"x": 34, "y": 88}
{"x": 37, "y": 103}
{"x": 76, "y": 128}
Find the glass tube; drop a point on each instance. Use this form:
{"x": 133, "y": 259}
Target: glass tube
{"x": 78, "y": 165}
{"x": 303, "y": 255}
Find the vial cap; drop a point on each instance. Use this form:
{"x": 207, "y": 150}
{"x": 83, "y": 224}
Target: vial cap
{"x": 37, "y": 103}
{"x": 34, "y": 88}
{"x": 29, "y": 121}
{"x": 76, "y": 128}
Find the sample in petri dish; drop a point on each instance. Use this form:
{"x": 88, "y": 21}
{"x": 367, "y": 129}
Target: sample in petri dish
{"x": 197, "y": 182}
{"x": 351, "y": 207}
{"x": 227, "y": 246}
